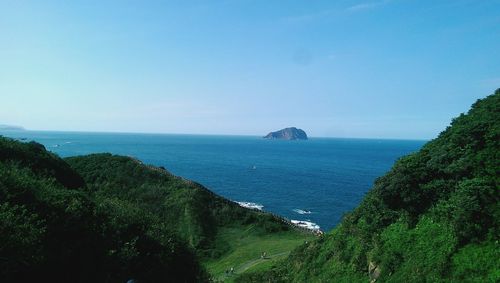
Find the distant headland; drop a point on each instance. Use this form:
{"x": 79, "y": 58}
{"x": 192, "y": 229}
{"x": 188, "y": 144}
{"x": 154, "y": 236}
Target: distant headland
{"x": 11, "y": 128}
{"x": 288, "y": 134}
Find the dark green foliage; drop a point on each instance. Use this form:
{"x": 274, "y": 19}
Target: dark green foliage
{"x": 192, "y": 211}
{"x": 105, "y": 218}
{"x": 66, "y": 215}
{"x": 22, "y": 234}
{"x": 477, "y": 263}
{"x": 34, "y": 156}
{"x": 49, "y": 231}
{"x": 434, "y": 217}
{"x": 472, "y": 210}
{"x": 415, "y": 254}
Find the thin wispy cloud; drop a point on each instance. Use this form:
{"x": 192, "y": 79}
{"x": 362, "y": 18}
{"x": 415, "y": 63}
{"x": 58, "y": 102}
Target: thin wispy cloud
{"x": 310, "y": 16}
{"x": 366, "y": 6}
{"x": 329, "y": 13}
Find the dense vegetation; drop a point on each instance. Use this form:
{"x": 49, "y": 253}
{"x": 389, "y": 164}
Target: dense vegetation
{"x": 51, "y": 229}
{"x": 433, "y": 218}
{"x": 192, "y": 211}
{"x": 105, "y": 218}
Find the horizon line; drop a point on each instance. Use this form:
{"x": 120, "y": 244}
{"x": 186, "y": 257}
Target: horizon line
{"x": 206, "y": 134}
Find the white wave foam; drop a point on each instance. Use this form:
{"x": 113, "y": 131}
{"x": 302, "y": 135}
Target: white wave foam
{"x": 306, "y": 224}
{"x": 251, "y": 205}
{"x": 300, "y": 211}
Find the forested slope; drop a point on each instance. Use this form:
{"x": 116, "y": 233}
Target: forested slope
{"x": 107, "y": 218}
{"x": 53, "y": 230}
{"x": 433, "y": 218}
{"x": 188, "y": 208}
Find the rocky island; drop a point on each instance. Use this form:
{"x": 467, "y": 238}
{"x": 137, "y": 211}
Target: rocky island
{"x": 288, "y": 134}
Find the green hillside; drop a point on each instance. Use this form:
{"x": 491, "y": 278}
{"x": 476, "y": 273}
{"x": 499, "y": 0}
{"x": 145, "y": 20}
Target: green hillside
{"x": 197, "y": 215}
{"x": 53, "y": 230}
{"x": 433, "y": 218}
{"x": 106, "y": 218}
{"x": 194, "y": 212}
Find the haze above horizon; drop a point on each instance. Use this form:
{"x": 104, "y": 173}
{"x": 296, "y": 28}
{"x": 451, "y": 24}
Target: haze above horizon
{"x": 370, "y": 69}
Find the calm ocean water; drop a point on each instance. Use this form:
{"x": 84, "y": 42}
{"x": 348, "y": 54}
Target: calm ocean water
{"x": 326, "y": 176}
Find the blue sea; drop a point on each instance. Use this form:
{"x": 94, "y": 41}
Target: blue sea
{"x": 317, "y": 180}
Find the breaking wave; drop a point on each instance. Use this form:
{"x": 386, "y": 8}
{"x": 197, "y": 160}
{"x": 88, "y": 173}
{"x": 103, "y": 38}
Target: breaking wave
{"x": 300, "y": 211}
{"x": 306, "y": 224}
{"x": 251, "y": 205}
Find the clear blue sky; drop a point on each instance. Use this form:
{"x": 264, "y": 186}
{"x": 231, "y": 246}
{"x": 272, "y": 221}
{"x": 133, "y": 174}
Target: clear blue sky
{"x": 386, "y": 69}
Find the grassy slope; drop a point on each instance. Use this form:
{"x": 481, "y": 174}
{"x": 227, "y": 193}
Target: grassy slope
{"x": 433, "y": 218}
{"x": 223, "y": 234}
{"x": 246, "y": 246}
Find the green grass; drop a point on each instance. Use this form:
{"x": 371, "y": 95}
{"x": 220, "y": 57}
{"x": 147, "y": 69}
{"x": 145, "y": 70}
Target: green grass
{"x": 246, "y": 247}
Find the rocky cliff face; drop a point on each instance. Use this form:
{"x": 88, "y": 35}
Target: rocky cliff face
{"x": 288, "y": 134}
